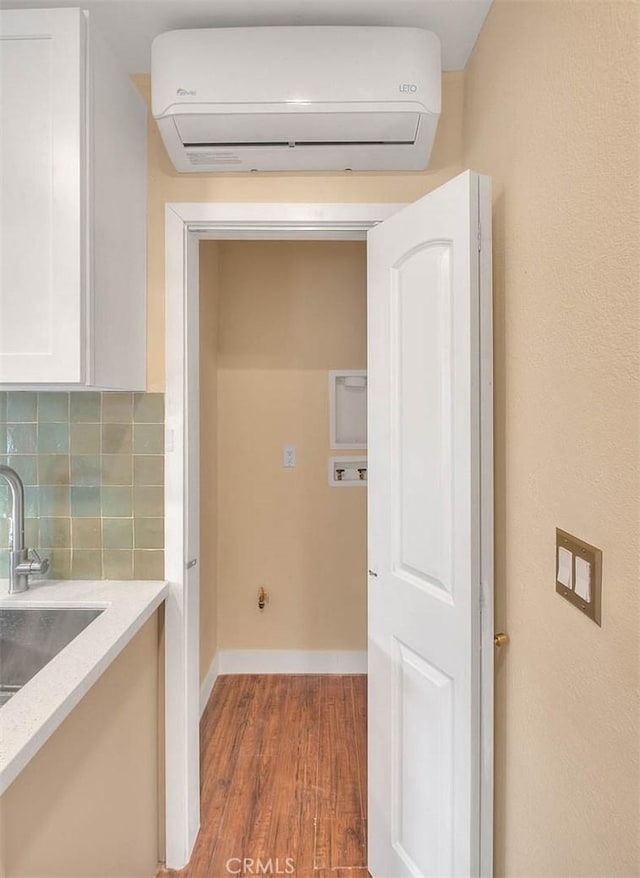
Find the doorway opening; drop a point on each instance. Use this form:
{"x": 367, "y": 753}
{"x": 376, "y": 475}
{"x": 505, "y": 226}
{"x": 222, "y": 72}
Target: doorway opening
{"x": 186, "y": 226}
{"x": 434, "y": 244}
{"x": 276, "y": 319}
{"x": 283, "y": 553}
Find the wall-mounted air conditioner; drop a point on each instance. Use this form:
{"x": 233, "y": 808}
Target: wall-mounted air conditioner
{"x": 297, "y": 98}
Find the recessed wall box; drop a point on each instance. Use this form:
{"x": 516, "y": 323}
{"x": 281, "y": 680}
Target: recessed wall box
{"x": 348, "y": 408}
{"x": 297, "y": 98}
{"x": 345, "y": 472}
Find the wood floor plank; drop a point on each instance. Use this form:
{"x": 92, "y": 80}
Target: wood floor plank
{"x": 234, "y": 697}
{"x": 220, "y": 752}
{"x": 293, "y": 826}
{"x": 283, "y": 761}
{"x": 243, "y": 795}
{"x": 266, "y": 786}
{"x": 223, "y": 719}
{"x": 338, "y": 780}
{"x": 341, "y": 842}
{"x": 359, "y": 694}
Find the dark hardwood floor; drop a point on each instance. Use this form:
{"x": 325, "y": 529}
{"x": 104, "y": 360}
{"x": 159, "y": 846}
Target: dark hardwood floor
{"x": 283, "y": 778}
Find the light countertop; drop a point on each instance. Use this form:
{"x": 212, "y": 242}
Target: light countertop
{"x": 35, "y": 711}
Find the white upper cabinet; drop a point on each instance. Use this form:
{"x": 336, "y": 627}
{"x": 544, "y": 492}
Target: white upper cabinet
{"x": 72, "y": 207}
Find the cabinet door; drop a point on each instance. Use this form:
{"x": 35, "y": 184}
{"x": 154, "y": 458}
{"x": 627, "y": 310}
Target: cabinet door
{"x": 42, "y": 236}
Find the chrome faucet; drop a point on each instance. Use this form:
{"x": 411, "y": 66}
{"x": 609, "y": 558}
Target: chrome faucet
{"x": 21, "y": 566}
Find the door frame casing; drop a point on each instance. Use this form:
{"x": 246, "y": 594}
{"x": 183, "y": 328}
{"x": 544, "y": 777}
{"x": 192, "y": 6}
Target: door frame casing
{"x": 185, "y": 225}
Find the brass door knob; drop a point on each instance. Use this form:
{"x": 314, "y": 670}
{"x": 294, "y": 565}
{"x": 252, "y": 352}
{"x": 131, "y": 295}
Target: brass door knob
{"x": 500, "y": 639}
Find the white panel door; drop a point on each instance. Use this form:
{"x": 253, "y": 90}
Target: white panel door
{"x": 41, "y": 191}
{"x": 429, "y": 414}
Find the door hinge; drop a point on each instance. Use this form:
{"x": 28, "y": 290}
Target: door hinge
{"x": 479, "y": 237}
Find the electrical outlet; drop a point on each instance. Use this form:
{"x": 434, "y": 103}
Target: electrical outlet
{"x": 289, "y": 456}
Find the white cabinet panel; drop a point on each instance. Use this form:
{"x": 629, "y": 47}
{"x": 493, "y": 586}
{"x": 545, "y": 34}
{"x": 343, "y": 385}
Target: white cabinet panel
{"x": 119, "y": 223}
{"x": 41, "y": 196}
{"x": 72, "y": 207}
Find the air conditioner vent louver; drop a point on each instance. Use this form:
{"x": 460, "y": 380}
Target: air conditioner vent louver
{"x": 297, "y": 98}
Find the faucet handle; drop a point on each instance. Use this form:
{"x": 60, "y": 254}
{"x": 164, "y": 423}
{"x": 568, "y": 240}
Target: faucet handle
{"x": 35, "y": 565}
{"x": 42, "y": 564}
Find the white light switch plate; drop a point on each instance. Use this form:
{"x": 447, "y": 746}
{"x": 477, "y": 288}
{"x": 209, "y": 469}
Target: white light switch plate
{"x": 579, "y": 574}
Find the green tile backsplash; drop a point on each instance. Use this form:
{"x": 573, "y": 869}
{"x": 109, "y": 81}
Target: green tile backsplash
{"x": 93, "y": 467}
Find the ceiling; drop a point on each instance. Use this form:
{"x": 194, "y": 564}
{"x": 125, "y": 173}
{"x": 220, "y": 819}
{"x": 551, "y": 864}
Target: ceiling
{"x": 131, "y": 25}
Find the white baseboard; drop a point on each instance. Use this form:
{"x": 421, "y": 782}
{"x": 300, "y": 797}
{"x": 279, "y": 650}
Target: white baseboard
{"x": 291, "y": 661}
{"x": 281, "y": 661}
{"x": 206, "y": 687}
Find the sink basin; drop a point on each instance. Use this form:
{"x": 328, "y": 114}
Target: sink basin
{"x": 31, "y": 636}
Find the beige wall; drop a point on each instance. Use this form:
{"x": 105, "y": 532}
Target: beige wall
{"x": 86, "y": 806}
{"x": 289, "y": 312}
{"x": 166, "y": 185}
{"x": 209, "y": 272}
{"x": 551, "y": 113}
